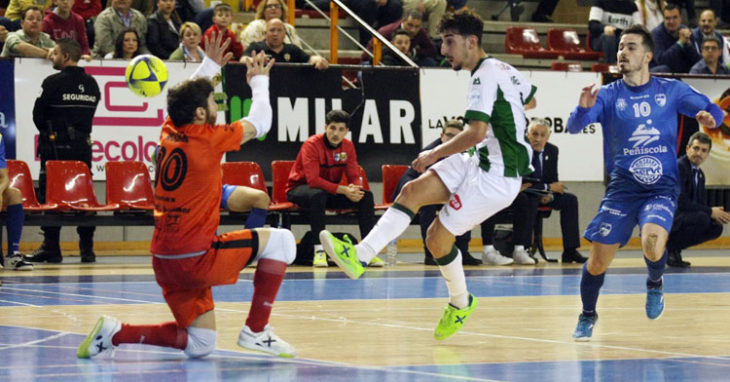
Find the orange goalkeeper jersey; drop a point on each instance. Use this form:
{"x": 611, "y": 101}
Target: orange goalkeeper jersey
{"x": 188, "y": 185}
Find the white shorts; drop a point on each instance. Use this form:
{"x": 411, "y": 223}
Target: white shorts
{"x": 475, "y": 194}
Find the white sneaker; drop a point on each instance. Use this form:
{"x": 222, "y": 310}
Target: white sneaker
{"x": 495, "y": 258}
{"x": 320, "y": 259}
{"x": 265, "y": 341}
{"x": 17, "y": 263}
{"x": 521, "y": 257}
{"x": 100, "y": 338}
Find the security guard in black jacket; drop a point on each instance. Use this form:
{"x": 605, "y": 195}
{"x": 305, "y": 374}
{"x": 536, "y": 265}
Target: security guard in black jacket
{"x": 63, "y": 115}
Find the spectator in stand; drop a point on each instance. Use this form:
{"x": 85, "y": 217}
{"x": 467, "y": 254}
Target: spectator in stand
{"x": 689, "y": 6}
{"x": 401, "y": 39}
{"x": 188, "y": 9}
{"x": 62, "y": 22}
{"x": 314, "y": 181}
{"x": 427, "y": 214}
{"x": 29, "y": 41}
{"x": 433, "y": 10}
{"x": 376, "y": 13}
{"x": 275, "y": 47}
{"x": 162, "y": 29}
{"x": 606, "y": 21}
{"x": 146, "y": 7}
{"x": 412, "y": 22}
{"x": 16, "y": 10}
{"x": 112, "y": 21}
{"x": 126, "y": 46}
{"x": 707, "y": 28}
{"x": 651, "y": 12}
{"x": 3, "y": 36}
{"x": 222, "y": 17}
{"x": 710, "y": 62}
{"x": 256, "y": 30}
{"x": 544, "y": 10}
{"x": 189, "y": 49}
{"x": 205, "y": 18}
{"x": 722, "y": 10}
{"x": 695, "y": 222}
{"x": 88, "y": 10}
{"x": 673, "y": 50}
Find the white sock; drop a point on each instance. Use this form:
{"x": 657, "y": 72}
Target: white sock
{"x": 318, "y": 248}
{"x": 488, "y": 248}
{"x": 391, "y": 225}
{"x": 453, "y": 273}
{"x": 519, "y": 248}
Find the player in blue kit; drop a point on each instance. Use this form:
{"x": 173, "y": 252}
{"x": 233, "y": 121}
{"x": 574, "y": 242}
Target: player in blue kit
{"x": 638, "y": 114}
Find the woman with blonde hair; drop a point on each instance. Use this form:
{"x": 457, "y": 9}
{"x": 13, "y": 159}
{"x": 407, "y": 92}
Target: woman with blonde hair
{"x": 267, "y": 10}
{"x": 189, "y": 49}
{"x": 651, "y": 12}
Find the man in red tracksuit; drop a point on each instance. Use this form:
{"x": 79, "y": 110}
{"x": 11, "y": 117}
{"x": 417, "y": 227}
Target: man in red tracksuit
{"x": 314, "y": 181}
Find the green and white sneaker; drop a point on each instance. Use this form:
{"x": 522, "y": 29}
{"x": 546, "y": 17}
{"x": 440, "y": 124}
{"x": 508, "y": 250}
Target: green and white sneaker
{"x": 453, "y": 319}
{"x": 100, "y": 338}
{"x": 343, "y": 253}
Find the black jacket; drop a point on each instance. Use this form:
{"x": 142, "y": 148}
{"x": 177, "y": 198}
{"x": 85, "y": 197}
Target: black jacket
{"x": 67, "y": 105}
{"x": 687, "y": 185}
{"x": 549, "y": 169}
{"x": 162, "y": 40}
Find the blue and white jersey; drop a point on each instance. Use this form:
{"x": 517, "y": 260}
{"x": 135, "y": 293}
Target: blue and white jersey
{"x": 640, "y": 132}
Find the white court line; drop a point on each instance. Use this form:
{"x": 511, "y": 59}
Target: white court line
{"x": 29, "y": 343}
{"x": 80, "y": 295}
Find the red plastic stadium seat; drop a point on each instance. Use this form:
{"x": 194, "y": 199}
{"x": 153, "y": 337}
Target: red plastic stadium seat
{"x": 280, "y": 172}
{"x": 525, "y": 41}
{"x": 69, "y": 184}
{"x": 21, "y": 179}
{"x": 244, "y": 174}
{"x": 567, "y": 43}
{"x": 588, "y": 44}
{"x": 567, "y": 66}
{"x": 604, "y": 68}
{"x": 128, "y": 184}
{"x": 391, "y": 175}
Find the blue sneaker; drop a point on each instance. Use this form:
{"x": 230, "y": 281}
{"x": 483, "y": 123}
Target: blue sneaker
{"x": 654, "y": 302}
{"x": 584, "y": 330}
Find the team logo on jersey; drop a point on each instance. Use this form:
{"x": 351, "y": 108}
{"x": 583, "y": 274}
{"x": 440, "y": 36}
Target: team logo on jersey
{"x": 455, "y": 202}
{"x": 340, "y": 157}
{"x": 646, "y": 169}
{"x": 660, "y": 99}
{"x": 621, "y": 104}
{"x": 643, "y": 135}
{"x": 476, "y": 81}
{"x": 605, "y": 229}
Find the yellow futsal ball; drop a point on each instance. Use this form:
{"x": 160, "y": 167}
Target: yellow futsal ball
{"x": 146, "y": 75}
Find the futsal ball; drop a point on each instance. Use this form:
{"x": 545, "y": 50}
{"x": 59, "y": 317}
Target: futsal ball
{"x": 146, "y": 75}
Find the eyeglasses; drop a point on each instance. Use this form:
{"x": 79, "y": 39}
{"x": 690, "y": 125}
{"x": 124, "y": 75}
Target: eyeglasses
{"x": 272, "y": 6}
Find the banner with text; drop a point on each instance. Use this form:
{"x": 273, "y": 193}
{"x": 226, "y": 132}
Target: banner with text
{"x": 125, "y": 127}
{"x": 443, "y": 96}
{"x": 386, "y": 116}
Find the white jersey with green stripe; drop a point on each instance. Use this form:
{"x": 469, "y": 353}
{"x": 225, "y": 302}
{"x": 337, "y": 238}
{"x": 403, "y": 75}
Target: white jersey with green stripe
{"x": 497, "y": 96}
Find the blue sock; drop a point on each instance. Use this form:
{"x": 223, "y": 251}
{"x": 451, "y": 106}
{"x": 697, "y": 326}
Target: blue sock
{"x": 656, "y": 271}
{"x": 590, "y": 285}
{"x": 256, "y": 218}
{"x": 16, "y": 217}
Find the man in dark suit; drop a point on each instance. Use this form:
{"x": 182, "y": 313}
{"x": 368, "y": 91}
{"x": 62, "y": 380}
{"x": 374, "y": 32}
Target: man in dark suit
{"x": 427, "y": 214}
{"x": 694, "y": 221}
{"x": 540, "y": 188}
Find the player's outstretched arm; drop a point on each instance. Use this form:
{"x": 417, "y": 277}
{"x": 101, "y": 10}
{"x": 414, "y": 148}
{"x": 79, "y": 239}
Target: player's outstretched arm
{"x": 580, "y": 117}
{"x": 258, "y": 121}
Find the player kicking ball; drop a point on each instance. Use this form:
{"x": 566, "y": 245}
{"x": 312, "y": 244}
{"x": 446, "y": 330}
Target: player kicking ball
{"x": 472, "y": 186}
{"x": 188, "y": 257}
{"x": 638, "y": 114}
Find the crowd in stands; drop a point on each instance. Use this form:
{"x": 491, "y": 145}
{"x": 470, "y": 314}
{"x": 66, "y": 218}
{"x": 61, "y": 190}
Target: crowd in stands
{"x": 169, "y": 29}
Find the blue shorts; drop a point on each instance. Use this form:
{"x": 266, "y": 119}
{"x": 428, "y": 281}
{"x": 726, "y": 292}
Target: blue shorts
{"x": 225, "y": 194}
{"x": 618, "y": 215}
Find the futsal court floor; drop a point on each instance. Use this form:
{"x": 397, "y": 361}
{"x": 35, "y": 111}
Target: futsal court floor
{"x": 380, "y": 327}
